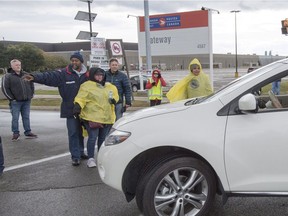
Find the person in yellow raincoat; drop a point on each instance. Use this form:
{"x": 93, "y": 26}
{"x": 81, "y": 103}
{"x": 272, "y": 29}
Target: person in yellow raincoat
{"x": 95, "y": 105}
{"x": 196, "y": 84}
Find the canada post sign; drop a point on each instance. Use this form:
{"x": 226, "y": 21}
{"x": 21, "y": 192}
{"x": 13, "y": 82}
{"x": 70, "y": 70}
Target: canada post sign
{"x": 183, "y": 33}
{"x": 165, "y": 22}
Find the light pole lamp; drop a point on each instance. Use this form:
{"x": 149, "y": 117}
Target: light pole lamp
{"x": 236, "y": 62}
{"x": 89, "y": 15}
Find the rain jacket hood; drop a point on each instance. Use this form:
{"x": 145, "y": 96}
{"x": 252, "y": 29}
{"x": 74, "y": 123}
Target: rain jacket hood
{"x": 179, "y": 90}
{"x": 94, "y": 101}
{"x": 94, "y": 71}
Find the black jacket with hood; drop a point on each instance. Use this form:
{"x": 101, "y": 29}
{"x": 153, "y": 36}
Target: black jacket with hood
{"x": 15, "y": 88}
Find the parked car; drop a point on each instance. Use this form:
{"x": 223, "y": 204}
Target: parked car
{"x": 175, "y": 157}
{"x": 135, "y": 82}
{"x": 250, "y": 69}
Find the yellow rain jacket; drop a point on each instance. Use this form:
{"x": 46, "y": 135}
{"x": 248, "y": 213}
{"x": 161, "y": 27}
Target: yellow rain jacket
{"x": 190, "y": 86}
{"x": 94, "y": 101}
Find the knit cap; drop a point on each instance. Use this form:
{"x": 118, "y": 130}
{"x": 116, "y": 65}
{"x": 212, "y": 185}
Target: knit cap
{"x": 77, "y": 55}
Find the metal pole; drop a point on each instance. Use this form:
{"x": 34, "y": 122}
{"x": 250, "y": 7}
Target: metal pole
{"x": 236, "y": 60}
{"x": 147, "y": 36}
{"x": 210, "y": 48}
{"x": 139, "y": 57}
{"x": 90, "y": 21}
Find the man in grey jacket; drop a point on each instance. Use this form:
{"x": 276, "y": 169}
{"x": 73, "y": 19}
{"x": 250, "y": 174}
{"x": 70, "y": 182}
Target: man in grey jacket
{"x": 19, "y": 93}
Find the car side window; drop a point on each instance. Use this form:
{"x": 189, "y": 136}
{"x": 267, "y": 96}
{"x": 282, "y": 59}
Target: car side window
{"x": 273, "y": 95}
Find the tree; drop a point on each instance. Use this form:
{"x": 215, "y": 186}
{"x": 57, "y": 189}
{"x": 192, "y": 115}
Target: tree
{"x": 31, "y": 57}
{"x": 4, "y": 61}
{"x": 53, "y": 62}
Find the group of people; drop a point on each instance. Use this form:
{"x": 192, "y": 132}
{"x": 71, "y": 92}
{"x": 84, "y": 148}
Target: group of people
{"x": 92, "y": 100}
{"x": 80, "y": 91}
{"x": 195, "y": 84}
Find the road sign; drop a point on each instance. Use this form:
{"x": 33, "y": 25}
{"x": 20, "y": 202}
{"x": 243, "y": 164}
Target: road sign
{"x": 98, "y": 46}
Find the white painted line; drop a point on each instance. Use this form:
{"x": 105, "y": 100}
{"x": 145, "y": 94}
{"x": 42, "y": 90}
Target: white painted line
{"x": 36, "y": 162}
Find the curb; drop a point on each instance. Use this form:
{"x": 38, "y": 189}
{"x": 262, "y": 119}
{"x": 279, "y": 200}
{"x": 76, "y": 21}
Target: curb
{"x": 56, "y": 108}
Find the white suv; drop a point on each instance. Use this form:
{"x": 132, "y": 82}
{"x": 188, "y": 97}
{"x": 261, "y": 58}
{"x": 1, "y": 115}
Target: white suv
{"x": 174, "y": 158}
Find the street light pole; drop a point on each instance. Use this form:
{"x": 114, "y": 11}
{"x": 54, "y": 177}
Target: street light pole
{"x": 139, "y": 57}
{"x": 147, "y": 37}
{"x": 236, "y": 63}
{"x": 90, "y": 21}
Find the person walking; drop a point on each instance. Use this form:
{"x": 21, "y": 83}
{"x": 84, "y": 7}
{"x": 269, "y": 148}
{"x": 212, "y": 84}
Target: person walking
{"x": 276, "y": 87}
{"x": 95, "y": 105}
{"x": 120, "y": 80}
{"x": 154, "y": 86}
{"x": 19, "y": 93}
{"x": 196, "y": 84}
{"x": 68, "y": 81}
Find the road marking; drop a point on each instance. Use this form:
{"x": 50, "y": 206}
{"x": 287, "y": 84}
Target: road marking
{"x": 36, "y": 162}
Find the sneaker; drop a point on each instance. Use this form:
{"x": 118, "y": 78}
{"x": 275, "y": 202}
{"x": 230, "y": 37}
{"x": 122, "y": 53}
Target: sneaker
{"x": 91, "y": 163}
{"x": 75, "y": 162}
{"x": 15, "y": 137}
{"x": 84, "y": 157}
{"x": 30, "y": 136}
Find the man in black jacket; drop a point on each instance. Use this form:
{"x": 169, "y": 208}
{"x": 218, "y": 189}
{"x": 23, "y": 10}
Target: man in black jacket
{"x": 68, "y": 81}
{"x": 19, "y": 93}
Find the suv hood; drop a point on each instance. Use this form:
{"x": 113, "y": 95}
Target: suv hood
{"x": 151, "y": 111}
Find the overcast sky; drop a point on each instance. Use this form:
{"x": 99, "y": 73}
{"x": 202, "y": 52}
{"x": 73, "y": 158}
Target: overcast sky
{"x": 258, "y": 23}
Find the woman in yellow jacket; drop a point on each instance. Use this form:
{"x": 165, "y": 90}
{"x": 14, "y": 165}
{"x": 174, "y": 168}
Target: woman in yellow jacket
{"x": 94, "y": 104}
{"x": 196, "y": 84}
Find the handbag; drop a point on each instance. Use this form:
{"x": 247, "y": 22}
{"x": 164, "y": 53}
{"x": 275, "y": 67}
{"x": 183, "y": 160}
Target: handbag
{"x": 95, "y": 125}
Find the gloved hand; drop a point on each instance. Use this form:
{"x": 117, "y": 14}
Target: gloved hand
{"x": 112, "y": 101}
{"x": 153, "y": 83}
{"x": 76, "y": 110}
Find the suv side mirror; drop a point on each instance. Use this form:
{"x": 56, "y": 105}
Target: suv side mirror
{"x": 248, "y": 103}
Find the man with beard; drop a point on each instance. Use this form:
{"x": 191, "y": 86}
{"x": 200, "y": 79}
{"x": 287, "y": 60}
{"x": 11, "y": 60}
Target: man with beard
{"x": 68, "y": 81}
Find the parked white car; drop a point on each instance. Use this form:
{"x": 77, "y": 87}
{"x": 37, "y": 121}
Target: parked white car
{"x": 174, "y": 158}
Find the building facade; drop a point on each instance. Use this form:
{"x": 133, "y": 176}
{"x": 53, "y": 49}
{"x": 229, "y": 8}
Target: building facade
{"x": 179, "y": 62}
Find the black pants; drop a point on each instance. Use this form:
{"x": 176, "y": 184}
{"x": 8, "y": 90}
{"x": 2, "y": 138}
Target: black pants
{"x": 1, "y": 157}
{"x": 155, "y": 102}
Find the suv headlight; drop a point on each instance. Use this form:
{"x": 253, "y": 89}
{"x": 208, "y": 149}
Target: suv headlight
{"x": 116, "y": 137}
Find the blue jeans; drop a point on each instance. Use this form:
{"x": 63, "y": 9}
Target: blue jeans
{"x": 75, "y": 138}
{"x": 23, "y": 107}
{"x": 93, "y": 134}
{"x": 276, "y": 87}
{"x": 118, "y": 110}
{"x": 1, "y": 157}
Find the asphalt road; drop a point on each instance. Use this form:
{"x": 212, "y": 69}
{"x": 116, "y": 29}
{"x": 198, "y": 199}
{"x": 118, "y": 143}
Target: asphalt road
{"x": 40, "y": 181}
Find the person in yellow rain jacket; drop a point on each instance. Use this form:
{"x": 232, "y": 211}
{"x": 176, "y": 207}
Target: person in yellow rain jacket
{"x": 154, "y": 86}
{"x": 196, "y": 84}
{"x": 95, "y": 105}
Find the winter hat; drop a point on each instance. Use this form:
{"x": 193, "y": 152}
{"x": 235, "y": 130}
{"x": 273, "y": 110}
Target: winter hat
{"x": 156, "y": 71}
{"x": 77, "y": 55}
{"x": 93, "y": 71}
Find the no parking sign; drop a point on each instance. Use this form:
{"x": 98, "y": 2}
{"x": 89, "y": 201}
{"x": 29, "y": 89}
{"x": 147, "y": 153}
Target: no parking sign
{"x": 116, "y": 48}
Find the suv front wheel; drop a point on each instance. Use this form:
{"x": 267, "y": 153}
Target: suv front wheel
{"x": 181, "y": 186}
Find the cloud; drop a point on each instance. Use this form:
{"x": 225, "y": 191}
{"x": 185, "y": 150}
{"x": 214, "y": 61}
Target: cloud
{"x": 259, "y": 22}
